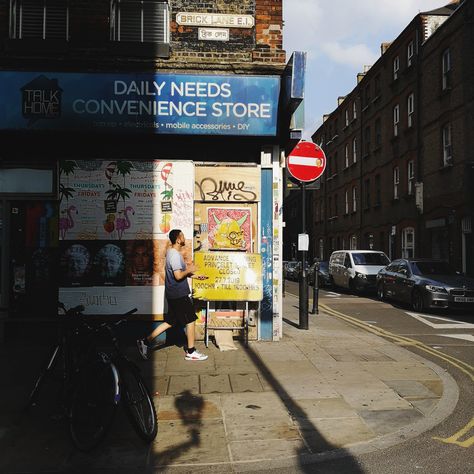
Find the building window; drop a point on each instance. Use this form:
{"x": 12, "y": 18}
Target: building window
{"x": 347, "y": 117}
{"x": 396, "y": 182}
{"x": 367, "y": 140}
{"x": 140, "y": 21}
{"x": 354, "y": 198}
{"x": 354, "y": 110}
{"x": 377, "y": 85}
{"x": 446, "y": 69}
{"x": 396, "y": 120}
{"x": 408, "y": 242}
{"x": 346, "y": 152}
{"x": 396, "y": 67}
{"x": 39, "y": 19}
{"x": 354, "y": 150}
{"x": 410, "y": 52}
{"x": 378, "y": 132}
{"x": 447, "y": 146}
{"x": 367, "y": 194}
{"x": 411, "y": 108}
{"x": 378, "y": 192}
{"x": 336, "y": 207}
{"x": 347, "y": 202}
{"x": 411, "y": 177}
{"x": 353, "y": 242}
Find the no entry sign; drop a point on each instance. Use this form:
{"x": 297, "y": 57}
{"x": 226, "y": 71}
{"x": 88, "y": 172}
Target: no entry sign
{"x": 306, "y": 162}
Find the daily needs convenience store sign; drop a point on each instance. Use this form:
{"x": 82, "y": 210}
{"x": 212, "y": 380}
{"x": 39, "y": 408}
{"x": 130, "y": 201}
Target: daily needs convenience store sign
{"x": 153, "y": 103}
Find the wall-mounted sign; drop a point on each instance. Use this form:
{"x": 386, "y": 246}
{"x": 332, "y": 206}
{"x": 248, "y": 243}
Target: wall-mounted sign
{"x": 140, "y": 102}
{"x": 215, "y": 19}
{"x": 231, "y": 276}
{"x": 213, "y": 34}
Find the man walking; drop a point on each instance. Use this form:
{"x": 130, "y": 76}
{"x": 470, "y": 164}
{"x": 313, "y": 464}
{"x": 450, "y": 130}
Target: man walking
{"x": 177, "y": 291}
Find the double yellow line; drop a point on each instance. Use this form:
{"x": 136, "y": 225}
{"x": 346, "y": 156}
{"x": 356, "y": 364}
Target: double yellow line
{"x": 406, "y": 341}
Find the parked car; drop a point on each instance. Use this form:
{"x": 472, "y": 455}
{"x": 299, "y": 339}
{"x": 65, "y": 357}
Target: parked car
{"x": 292, "y": 271}
{"x": 425, "y": 283}
{"x": 356, "y": 269}
{"x": 323, "y": 273}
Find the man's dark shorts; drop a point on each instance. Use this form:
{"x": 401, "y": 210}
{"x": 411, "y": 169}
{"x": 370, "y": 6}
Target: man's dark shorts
{"x": 180, "y": 311}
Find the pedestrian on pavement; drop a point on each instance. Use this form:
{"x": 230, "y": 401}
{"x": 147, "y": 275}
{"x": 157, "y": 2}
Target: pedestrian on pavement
{"x": 180, "y": 306}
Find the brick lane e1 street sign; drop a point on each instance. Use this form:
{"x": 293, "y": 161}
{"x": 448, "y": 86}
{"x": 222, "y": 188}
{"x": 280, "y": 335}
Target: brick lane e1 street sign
{"x": 306, "y": 162}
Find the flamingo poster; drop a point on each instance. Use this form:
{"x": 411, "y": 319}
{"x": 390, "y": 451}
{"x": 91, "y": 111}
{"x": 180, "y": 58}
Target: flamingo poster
{"x": 113, "y": 228}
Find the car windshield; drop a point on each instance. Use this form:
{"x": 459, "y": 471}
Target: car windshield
{"x": 432, "y": 268}
{"x": 323, "y": 265}
{"x": 370, "y": 259}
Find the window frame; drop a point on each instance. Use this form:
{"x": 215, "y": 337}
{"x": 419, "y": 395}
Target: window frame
{"x": 407, "y": 246}
{"x": 446, "y": 67}
{"x": 396, "y": 182}
{"x": 346, "y": 155}
{"x": 446, "y": 137}
{"x": 396, "y": 119}
{"x": 354, "y": 150}
{"x": 410, "y": 52}
{"x": 410, "y": 109}
{"x": 411, "y": 177}
{"x": 396, "y": 67}
{"x": 354, "y": 199}
{"x": 347, "y": 202}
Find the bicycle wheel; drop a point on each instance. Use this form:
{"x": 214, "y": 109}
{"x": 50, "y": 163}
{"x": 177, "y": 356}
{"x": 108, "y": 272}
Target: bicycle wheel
{"x": 93, "y": 403}
{"x": 138, "y": 402}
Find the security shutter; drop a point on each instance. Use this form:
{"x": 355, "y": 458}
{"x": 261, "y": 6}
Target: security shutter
{"x": 39, "y": 19}
{"x": 143, "y": 21}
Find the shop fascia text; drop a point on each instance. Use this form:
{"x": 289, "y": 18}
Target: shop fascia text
{"x": 173, "y": 104}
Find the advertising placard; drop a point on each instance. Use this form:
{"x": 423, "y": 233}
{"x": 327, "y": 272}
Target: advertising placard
{"x": 231, "y": 276}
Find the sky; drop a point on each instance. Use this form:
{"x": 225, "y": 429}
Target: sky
{"x": 340, "y": 37}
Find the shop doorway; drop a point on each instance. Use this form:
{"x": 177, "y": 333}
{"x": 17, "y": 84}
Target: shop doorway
{"x": 29, "y": 281}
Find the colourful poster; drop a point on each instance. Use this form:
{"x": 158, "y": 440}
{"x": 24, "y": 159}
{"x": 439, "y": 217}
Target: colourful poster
{"x": 113, "y": 228}
{"x": 229, "y": 228}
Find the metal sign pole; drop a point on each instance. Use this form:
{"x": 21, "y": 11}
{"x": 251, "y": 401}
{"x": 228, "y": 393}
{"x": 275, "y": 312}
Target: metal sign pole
{"x": 303, "y": 288}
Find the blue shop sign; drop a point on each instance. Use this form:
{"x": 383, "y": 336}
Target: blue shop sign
{"x": 153, "y": 103}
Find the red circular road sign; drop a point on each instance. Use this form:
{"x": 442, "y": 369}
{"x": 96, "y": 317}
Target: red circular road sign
{"x": 306, "y": 162}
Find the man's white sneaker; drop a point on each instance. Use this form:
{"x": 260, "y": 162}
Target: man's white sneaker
{"x": 142, "y": 348}
{"x": 195, "y": 356}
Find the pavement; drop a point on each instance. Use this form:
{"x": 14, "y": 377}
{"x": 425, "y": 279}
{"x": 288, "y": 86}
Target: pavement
{"x": 331, "y": 391}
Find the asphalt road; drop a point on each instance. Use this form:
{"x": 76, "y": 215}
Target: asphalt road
{"x": 444, "y": 338}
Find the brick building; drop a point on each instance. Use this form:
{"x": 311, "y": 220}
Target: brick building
{"x": 109, "y": 108}
{"x": 398, "y": 149}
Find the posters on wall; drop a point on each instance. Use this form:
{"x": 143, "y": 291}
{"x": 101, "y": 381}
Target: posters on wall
{"x": 114, "y": 222}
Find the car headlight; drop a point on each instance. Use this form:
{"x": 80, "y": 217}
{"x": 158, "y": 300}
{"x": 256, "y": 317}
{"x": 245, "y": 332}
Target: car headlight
{"x": 361, "y": 275}
{"x": 436, "y": 289}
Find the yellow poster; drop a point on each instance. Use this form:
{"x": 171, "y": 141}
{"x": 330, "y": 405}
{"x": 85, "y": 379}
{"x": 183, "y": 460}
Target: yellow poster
{"x": 231, "y": 276}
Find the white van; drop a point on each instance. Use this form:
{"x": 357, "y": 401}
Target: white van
{"x": 356, "y": 269}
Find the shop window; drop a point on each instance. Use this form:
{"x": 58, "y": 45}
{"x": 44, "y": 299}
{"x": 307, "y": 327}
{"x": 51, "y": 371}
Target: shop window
{"x": 411, "y": 177}
{"x": 447, "y": 147}
{"x": 411, "y": 109}
{"x": 396, "y": 119}
{"x": 141, "y": 21}
{"x": 446, "y": 69}
{"x": 408, "y": 242}
{"x": 396, "y": 182}
{"x": 39, "y": 19}
{"x": 396, "y": 67}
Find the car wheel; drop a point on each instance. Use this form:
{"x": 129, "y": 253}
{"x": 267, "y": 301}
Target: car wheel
{"x": 352, "y": 286}
{"x": 417, "y": 301}
{"x": 381, "y": 292}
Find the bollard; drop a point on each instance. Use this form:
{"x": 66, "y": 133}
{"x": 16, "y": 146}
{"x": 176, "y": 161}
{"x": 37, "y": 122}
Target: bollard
{"x": 315, "y": 309}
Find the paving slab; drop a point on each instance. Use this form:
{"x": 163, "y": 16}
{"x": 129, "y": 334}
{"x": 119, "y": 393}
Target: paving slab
{"x": 215, "y": 383}
{"x": 270, "y": 449}
{"x": 245, "y": 383}
{"x": 183, "y": 383}
{"x": 411, "y": 389}
{"x": 383, "y": 422}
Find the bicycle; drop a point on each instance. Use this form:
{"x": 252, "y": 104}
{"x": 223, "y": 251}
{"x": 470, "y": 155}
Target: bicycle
{"x": 95, "y": 381}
